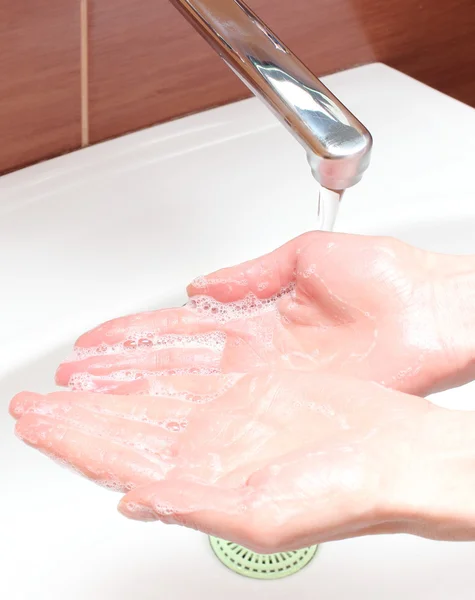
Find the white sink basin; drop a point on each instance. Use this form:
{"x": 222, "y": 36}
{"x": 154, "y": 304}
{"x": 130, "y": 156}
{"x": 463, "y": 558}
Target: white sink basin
{"x": 124, "y": 226}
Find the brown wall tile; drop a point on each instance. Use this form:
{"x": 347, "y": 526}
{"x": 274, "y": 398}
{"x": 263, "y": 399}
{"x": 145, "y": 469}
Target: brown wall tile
{"x": 40, "y": 80}
{"x": 431, "y": 40}
{"x": 148, "y": 65}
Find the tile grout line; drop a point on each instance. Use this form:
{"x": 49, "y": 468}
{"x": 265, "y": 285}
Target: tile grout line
{"x": 84, "y": 73}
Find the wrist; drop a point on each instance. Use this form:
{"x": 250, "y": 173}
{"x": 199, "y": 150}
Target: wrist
{"x": 433, "y": 488}
{"x": 454, "y": 297}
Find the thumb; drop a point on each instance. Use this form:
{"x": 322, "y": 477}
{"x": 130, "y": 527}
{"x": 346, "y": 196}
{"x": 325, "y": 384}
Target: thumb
{"x": 233, "y": 514}
{"x": 264, "y": 277}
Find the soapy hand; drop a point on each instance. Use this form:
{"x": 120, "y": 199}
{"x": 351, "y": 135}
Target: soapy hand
{"x": 372, "y": 308}
{"x": 272, "y": 461}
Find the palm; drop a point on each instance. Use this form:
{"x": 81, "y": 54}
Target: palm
{"x": 346, "y": 304}
{"x": 287, "y": 447}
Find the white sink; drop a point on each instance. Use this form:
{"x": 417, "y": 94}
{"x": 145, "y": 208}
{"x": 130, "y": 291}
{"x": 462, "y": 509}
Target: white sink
{"x": 124, "y": 226}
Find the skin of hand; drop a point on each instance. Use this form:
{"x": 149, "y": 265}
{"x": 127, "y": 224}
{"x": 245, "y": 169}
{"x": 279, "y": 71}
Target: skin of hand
{"x": 270, "y": 460}
{"x": 366, "y": 307}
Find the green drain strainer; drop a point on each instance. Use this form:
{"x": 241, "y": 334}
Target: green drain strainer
{"x": 261, "y": 566}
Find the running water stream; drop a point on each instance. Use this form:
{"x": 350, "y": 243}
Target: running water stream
{"x": 328, "y": 205}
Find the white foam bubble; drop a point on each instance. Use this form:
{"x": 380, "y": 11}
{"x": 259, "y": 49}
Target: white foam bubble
{"x": 143, "y": 511}
{"x": 174, "y": 425}
{"x": 248, "y": 307}
{"x": 205, "y": 282}
{"x": 115, "y": 486}
{"x": 84, "y": 382}
{"x": 134, "y": 343}
{"x": 81, "y": 382}
{"x": 164, "y": 509}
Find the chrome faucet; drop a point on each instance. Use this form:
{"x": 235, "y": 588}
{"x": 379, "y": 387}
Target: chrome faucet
{"x": 338, "y": 146}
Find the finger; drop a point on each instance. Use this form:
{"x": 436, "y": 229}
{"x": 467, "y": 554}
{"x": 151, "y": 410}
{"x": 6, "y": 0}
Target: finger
{"x": 146, "y": 384}
{"x": 245, "y": 516}
{"x": 264, "y": 277}
{"x": 23, "y": 402}
{"x": 120, "y": 441}
{"x": 135, "y": 384}
{"x": 174, "y": 399}
{"x": 127, "y": 383}
{"x": 102, "y": 460}
{"x": 147, "y": 325}
{"x": 88, "y": 431}
{"x": 160, "y": 438}
{"x": 242, "y": 515}
{"x": 221, "y": 512}
{"x": 151, "y": 361}
{"x": 123, "y": 419}
{"x": 293, "y": 503}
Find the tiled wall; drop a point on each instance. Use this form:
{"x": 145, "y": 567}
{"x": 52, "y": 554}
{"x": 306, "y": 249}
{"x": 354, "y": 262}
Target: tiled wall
{"x": 40, "y": 107}
{"x": 74, "y": 72}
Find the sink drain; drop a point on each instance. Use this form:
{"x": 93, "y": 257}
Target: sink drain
{"x": 261, "y": 566}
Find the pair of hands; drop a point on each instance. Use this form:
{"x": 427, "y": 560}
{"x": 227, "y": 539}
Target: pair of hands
{"x": 251, "y": 413}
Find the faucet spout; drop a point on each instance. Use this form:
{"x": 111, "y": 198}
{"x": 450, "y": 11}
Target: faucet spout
{"x": 337, "y": 144}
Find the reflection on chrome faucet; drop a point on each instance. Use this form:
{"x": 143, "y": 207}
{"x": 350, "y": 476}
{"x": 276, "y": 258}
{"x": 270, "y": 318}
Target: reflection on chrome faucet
{"x": 317, "y": 111}
{"x": 337, "y": 144}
